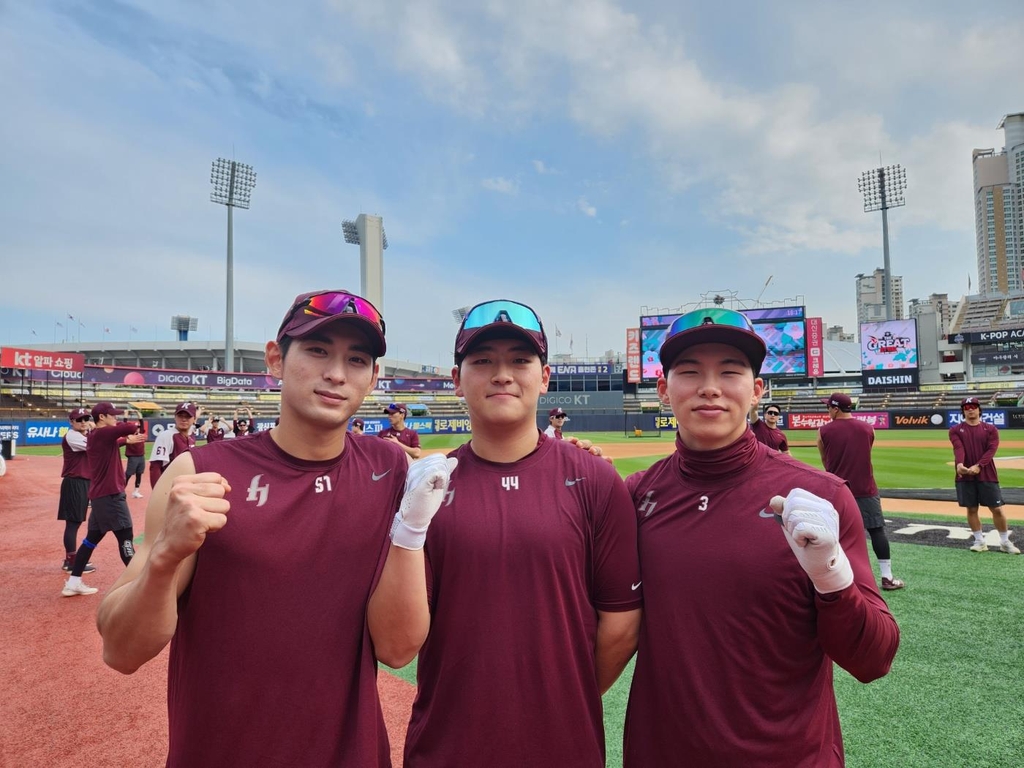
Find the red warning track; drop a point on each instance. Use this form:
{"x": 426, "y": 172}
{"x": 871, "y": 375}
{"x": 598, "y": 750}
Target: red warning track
{"x": 61, "y": 706}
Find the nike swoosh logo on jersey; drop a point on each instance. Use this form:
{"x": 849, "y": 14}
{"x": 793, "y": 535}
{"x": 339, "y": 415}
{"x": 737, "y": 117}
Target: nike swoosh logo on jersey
{"x": 377, "y": 477}
{"x": 636, "y": 586}
{"x": 570, "y": 483}
{"x": 770, "y": 515}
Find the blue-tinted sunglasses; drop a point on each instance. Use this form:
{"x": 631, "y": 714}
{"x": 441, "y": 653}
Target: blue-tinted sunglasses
{"x": 502, "y": 312}
{"x": 712, "y": 316}
{"x": 497, "y": 313}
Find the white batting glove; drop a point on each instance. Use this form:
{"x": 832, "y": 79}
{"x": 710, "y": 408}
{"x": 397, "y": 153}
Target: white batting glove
{"x": 425, "y": 486}
{"x": 811, "y": 525}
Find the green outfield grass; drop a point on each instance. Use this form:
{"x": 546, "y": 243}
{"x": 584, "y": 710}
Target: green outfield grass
{"x": 952, "y": 698}
{"x": 895, "y": 467}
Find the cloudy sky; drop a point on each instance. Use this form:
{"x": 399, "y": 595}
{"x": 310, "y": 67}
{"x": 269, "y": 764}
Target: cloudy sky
{"x": 588, "y": 157}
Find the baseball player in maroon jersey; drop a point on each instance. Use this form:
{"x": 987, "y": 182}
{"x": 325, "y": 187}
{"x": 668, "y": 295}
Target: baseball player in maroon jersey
{"x": 743, "y": 617}
{"x": 405, "y": 438}
{"x": 766, "y": 429}
{"x": 845, "y": 449}
{"x": 74, "y": 485}
{"x": 135, "y": 455}
{"x": 532, "y": 573}
{"x": 214, "y": 430}
{"x": 106, "y": 492}
{"x": 974, "y": 448}
{"x": 268, "y": 566}
{"x": 357, "y": 427}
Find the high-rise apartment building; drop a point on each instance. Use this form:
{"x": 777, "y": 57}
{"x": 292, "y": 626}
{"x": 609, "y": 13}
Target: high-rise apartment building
{"x": 999, "y": 210}
{"x": 937, "y": 304}
{"x": 871, "y": 297}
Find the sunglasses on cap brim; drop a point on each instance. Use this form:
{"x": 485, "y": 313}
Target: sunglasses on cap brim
{"x": 497, "y": 313}
{"x": 712, "y": 316}
{"x": 336, "y": 303}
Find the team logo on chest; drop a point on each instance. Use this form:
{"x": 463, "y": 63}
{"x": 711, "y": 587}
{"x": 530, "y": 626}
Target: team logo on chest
{"x": 257, "y": 492}
{"x": 510, "y": 483}
{"x": 648, "y": 504}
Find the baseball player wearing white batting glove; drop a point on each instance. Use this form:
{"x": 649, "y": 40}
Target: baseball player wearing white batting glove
{"x": 811, "y": 525}
{"x": 425, "y": 486}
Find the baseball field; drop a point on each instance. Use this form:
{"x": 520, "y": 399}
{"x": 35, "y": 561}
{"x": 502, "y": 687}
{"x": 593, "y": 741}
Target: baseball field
{"x": 952, "y": 698}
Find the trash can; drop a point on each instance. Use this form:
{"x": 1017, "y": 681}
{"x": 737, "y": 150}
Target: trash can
{"x": 8, "y": 447}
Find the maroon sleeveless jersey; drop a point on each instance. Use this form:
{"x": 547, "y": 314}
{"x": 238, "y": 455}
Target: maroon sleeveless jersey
{"x": 271, "y": 663}
{"x": 76, "y": 462}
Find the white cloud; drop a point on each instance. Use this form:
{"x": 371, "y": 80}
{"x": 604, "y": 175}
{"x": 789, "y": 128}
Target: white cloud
{"x": 502, "y": 185}
{"x": 586, "y": 208}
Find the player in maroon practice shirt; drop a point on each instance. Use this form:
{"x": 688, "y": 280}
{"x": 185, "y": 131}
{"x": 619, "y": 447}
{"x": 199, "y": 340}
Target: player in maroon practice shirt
{"x": 532, "y": 573}
{"x": 767, "y": 430}
{"x": 974, "y": 448}
{"x": 135, "y": 454}
{"x": 845, "y": 449}
{"x": 74, "y": 486}
{"x": 214, "y": 431}
{"x": 267, "y": 565}
{"x": 106, "y": 492}
{"x": 743, "y": 618}
{"x": 399, "y": 434}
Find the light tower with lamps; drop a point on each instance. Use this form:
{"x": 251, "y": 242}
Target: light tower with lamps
{"x": 232, "y": 186}
{"x": 367, "y": 231}
{"x": 883, "y": 189}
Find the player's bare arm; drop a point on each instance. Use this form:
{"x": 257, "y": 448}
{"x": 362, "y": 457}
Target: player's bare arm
{"x": 139, "y": 615}
{"x": 398, "y": 614}
{"x": 821, "y": 450}
{"x": 754, "y": 414}
{"x": 617, "y": 636}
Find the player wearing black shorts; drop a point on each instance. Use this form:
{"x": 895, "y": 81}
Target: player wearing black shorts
{"x": 74, "y": 487}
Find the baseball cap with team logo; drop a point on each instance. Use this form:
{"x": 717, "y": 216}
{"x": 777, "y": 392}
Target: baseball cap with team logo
{"x": 970, "y": 401}
{"x": 79, "y": 413}
{"x": 189, "y": 408}
{"x": 500, "y": 319}
{"x": 397, "y": 408}
{"x": 105, "y": 409}
{"x": 839, "y": 400}
{"x": 311, "y": 311}
{"x": 555, "y": 412}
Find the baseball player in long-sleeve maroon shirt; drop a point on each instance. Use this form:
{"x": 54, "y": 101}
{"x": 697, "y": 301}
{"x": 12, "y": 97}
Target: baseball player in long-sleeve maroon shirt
{"x": 974, "y": 448}
{"x": 742, "y": 617}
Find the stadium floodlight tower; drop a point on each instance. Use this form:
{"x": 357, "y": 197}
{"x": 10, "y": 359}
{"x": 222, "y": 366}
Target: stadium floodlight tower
{"x": 183, "y": 324}
{"x": 367, "y": 231}
{"x": 232, "y": 186}
{"x": 883, "y": 189}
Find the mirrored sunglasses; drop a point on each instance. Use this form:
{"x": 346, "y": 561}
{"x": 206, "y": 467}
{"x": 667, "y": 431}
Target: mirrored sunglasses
{"x": 502, "y": 311}
{"x": 339, "y": 303}
{"x": 773, "y": 413}
{"x": 80, "y": 419}
{"x": 711, "y": 316}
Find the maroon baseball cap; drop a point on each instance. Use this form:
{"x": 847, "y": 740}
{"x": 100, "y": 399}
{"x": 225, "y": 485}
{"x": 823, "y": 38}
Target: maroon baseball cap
{"x": 397, "y": 408}
{"x": 839, "y": 400}
{"x": 357, "y": 423}
{"x": 499, "y": 319}
{"x": 105, "y": 409}
{"x": 189, "y": 408}
{"x": 312, "y": 311}
{"x": 713, "y": 325}
{"x": 557, "y": 412}
{"x": 79, "y": 413}
{"x": 970, "y": 401}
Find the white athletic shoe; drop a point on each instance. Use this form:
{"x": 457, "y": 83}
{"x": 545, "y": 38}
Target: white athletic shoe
{"x": 80, "y": 589}
{"x": 979, "y": 546}
{"x": 1009, "y": 548}
{"x": 137, "y": 495}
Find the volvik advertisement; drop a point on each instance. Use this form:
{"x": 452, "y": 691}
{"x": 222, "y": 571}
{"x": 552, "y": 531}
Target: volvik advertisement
{"x": 917, "y": 419}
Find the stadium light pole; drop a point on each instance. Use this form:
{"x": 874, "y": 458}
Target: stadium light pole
{"x": 232, "y": 187}
{"x": 883, "y": 189}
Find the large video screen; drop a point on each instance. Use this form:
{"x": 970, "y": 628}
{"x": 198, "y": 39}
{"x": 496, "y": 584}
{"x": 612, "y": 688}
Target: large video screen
{"x": 782, "y": 329}
{"x": 888, "y": 345}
